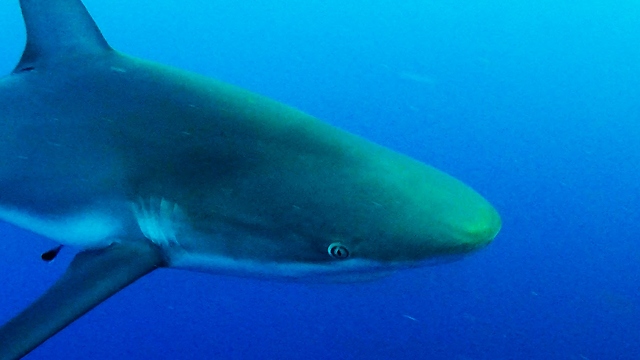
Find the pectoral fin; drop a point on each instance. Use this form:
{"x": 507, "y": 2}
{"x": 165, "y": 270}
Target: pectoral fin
{"x": 92, "y": 277}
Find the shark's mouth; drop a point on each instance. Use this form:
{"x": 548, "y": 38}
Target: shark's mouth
{"x": 351, "y": 270}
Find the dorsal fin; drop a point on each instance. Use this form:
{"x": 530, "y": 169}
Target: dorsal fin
{"x": 57, "y": 29}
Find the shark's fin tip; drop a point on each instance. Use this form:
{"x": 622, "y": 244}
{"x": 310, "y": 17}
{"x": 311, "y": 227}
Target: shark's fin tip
{"x": 58, "y": 29}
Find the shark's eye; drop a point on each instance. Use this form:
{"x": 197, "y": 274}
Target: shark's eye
{"x": 338, "y": 251}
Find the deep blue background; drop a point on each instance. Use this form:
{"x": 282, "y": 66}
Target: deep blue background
{"x": 536, "y": 104}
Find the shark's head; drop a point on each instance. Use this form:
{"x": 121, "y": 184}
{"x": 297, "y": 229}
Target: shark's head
{"x": 414, "y": 215}
{"x": 329, "y": 205}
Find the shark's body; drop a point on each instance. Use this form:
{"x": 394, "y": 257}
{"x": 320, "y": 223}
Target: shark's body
{"x": 148, "y": 166}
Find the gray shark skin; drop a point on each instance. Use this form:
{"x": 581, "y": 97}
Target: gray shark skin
{"x": 143, "y": 166}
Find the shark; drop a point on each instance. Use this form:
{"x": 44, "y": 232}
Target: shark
{"x": 141, "y": 166}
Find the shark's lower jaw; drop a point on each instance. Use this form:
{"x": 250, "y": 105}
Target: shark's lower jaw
{"x": 351, "y": 270}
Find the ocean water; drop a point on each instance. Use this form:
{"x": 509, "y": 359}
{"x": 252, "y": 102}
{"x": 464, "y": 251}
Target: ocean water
{"x": 535, "y": 104}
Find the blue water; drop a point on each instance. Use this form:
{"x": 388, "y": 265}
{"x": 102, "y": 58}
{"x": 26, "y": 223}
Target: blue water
{"x": 536, "y": 104}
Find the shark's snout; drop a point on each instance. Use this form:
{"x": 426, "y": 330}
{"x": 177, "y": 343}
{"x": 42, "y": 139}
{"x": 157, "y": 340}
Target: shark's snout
{"x": 449, "y": 218}
{"x": 478, "y": 230}
{"x": 420, "y": 214}
{"x": 469, "y": 223}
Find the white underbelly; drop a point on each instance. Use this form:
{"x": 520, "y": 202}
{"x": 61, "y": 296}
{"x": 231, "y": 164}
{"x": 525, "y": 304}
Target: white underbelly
{"x": 90, "y": 228}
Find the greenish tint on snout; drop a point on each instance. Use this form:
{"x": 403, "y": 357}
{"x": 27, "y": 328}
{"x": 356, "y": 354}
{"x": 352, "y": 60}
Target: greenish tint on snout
{"x": 425, "y": 214}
